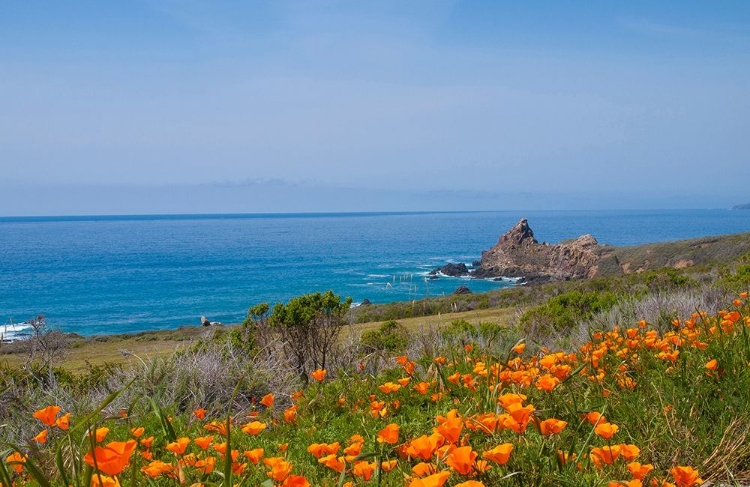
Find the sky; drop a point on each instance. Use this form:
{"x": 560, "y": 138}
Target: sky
{"x": 192, "y": 106}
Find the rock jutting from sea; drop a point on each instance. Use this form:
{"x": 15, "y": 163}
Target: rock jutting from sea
{"x": 518, "y": 254}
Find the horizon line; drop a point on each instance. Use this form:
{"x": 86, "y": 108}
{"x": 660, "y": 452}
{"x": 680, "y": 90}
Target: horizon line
{"x": 313, "y": 214}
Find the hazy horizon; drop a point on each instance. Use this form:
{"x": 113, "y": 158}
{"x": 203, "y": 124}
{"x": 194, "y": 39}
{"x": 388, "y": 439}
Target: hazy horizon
{"x": 161, "y": 106}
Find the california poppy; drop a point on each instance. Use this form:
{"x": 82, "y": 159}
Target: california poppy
{"x": 178, "y": 447}
{"x": 63, "y": 422}
{"x": 295, "y": 481}
{"x": 685, "y": 476}
{"x": 318, "y": 375}
{"x": 500, "y": 454}
{"x": 16, "y": 459}
{"x": 551, "y": 426}
{"x": 254, "y": 455}
{"x": 606, "y": 430}
{"x": 461, "y": 460}
{"x": 254, "y": 428}
{"x": 389, "y": 434}
{"x": 639, "y": 471}
{"x": 435, "y": 480}
{"x": 267, "y": 400}
{"x": 111, "y": 458}
{"x": 41, "y": 437}
{"x": 47, "y": 415}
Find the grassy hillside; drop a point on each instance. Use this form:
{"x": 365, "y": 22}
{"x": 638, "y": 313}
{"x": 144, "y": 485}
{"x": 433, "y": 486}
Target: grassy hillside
{"x": 680, "y": 254}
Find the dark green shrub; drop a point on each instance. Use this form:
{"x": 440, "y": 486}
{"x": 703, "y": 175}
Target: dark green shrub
{"x": 389, "y": 337}
{"x": 563, "y": 312}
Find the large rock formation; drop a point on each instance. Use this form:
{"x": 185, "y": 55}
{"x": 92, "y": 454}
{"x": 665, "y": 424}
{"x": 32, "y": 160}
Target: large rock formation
{"x": 519, "y": 254}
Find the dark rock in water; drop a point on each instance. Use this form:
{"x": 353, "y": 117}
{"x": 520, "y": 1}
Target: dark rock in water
{"x": 434, "y": 277}
{"x": 452, "y": 270}
{"x": 462, "y": 290}
{"x": 205, "y": 321}
{"x": 366, "y": 302}
{"x": 476, "y": 263}
{"x": 742, "y": 207}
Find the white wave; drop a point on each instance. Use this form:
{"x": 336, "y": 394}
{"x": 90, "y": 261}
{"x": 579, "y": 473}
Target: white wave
{"x": 15, "y": 332}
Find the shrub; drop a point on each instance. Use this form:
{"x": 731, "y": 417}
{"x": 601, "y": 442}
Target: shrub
{"x": 389, "y": 337}
{"x": 562, "y": 313}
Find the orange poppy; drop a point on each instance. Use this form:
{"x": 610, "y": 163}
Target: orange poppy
{"x": 639, "y": 471}
{"x": 389, "y": 387}
{"x": 470, "y": 483}
{"x": 462, "y": 459}
{"x": 295, "y": 481}
{"x": 104, "y": 481}
{"x": 500, "y": 454}
{"x": 606, "y": 430}
{"x": 333, "y": 462}
{"x": 422, "y": 387}
{"x": 606, "y": 455}
{"x": 451, "y": 426}
{"x": 267, "y": 400}
{"x": 424, "y": 446}
{"x": 254, "y": 428}
{"x": 111, "y": 458}
{"x": 685, "y": 476}
{"x": 156, "y": 468}
{"x": 389, "y": 434}
{"x": 629, "y": 452}
{"x": 319, "y": 374}
{"x": 423, "y": 469}
{"x": 47, "y": 415}
{"x": 290, "y": 414}
{"x": 435, "y": 480}
{"x": 200, "y": 413}
{"x": 178, "y": 447}
{"x": 16, "y": 459}
{"x": 364, "y": 469}
{"x": 280, "y": 468}
{"x": 547, "y": 382}
{"x": 204, "y": 442}
{"x": 254, "y": 455}
{"x": 594, "y": 417}
{"x": 206, "y": 466}
{"x": 551, "y": 426}
{"x": 41, "y": 437}
{"x": 99, "y": 434}
{"x": 63, "y": 422}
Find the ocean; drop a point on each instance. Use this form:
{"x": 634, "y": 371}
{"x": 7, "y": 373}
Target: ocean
{"x": 125, "y": 274}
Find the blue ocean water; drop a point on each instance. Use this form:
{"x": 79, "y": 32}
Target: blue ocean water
{"x": 102, "y": 275}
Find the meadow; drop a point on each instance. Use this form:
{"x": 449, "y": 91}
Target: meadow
{"x": 643, "y": 388}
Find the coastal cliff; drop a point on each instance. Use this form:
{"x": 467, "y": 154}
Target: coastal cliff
{"x": 518, "y": 254}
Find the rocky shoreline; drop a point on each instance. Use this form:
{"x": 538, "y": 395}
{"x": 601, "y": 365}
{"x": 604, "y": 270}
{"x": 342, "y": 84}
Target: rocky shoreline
{"x": 519, "y": 255}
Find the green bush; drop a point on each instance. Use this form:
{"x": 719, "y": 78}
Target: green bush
{"x": 389, "y": 337}
{"x": 562, "y": 313}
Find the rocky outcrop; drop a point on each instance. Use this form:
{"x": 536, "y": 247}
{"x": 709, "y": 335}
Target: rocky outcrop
{"x": 451, "y": 270}
{"x": 461, "y": 290}
{"x": 519, "y": 254}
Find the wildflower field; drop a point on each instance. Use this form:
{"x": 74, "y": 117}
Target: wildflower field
{"x": 637, "y": 404}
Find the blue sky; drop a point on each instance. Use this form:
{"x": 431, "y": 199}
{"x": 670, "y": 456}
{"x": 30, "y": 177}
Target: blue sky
{"x": 161, "y": 106}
